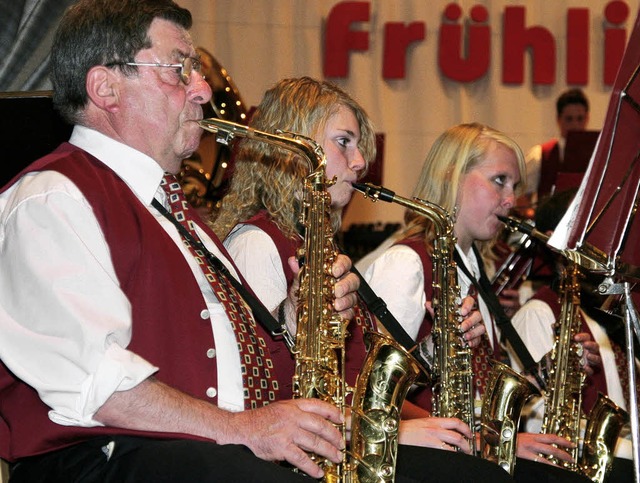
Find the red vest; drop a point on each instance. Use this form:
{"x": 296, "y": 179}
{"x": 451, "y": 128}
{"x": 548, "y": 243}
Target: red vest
{"x": 422, "y": 396}
{"x": 549, "y": 166}
{"x": 168, "y": 329}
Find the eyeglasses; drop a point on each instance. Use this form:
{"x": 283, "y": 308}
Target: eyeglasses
{"x": 187, "y": 66}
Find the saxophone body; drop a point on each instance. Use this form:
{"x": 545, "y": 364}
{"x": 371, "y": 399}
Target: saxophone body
{"x": 319, "y": 351}
{"x": 564, "y": 391}
{"x": 451, "y": 371}
{"x": 387, "y": 374}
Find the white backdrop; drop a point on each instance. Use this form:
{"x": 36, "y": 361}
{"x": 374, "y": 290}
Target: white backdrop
{"x": 262, "y": 41}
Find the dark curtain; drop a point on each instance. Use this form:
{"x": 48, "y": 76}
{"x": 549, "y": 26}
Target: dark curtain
{"x": 26, "y": 33}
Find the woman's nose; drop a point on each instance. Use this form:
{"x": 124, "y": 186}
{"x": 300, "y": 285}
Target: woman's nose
{"x": 357, "y": 162}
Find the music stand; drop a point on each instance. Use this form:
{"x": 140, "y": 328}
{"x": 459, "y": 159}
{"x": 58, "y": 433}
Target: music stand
{"x": 603, "y": 213}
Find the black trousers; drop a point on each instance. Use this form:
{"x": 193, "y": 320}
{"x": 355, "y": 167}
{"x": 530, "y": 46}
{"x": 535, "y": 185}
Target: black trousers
{"x": 172, "y": 461}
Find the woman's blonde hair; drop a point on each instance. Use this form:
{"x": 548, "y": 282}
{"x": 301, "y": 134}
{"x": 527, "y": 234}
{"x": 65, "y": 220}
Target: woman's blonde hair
{"x": 454, "y": 153}
{"x": 271, "y": 178}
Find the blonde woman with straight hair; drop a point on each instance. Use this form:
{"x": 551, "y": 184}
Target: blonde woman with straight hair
{"x": 475, "y": 172}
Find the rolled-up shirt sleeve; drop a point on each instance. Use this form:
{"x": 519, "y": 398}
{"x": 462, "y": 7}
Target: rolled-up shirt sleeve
{"x": 64, "y": 320}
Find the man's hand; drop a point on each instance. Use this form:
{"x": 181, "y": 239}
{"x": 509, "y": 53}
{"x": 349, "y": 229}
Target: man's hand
{"x": 288, "y": 431}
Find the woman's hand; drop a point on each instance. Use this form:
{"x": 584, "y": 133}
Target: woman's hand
{"x": 535, "y": 447}
{"x": 591, "y": 352}
{"x": 472, "y": 327}
{"x": 449, "y": 434}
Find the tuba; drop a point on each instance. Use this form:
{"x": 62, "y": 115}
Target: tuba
{"x": 452, "y": 371}
{"x": 319, "y": 351}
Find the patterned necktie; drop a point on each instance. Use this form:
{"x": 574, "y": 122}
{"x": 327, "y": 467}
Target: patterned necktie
{"x": 620, "y": 357}
{"x": 482, "y": 353}
{"x": 258, "y": 378}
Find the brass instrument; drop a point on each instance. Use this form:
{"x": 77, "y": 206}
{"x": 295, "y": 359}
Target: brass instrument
{"x": 603, "y": 428}
{"x": 502, "y": 404}
{"x": 452, "y": 372}
{"x": 587, "y": 256}
{"x": 566, "y": 377}
{"x": 387, "y": 374}
{"x": 388, "y": 370}
{"x": 516, "y": 268}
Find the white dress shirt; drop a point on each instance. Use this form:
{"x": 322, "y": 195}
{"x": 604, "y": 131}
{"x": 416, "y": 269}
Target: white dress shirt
{"x": 257, "y": 257}
{"x": 534, "y": 322}
{"x": 65, "y": 322}
{"x": 397, "y": 276}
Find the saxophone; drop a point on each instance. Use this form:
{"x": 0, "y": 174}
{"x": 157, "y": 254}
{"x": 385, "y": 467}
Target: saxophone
{"x": 451, "y": 371}
{"x": 388, "y": 370}
{"x": 606, "y": 419}
{"x": 566, "y": 377}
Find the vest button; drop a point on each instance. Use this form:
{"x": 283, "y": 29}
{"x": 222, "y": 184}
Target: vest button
{"x": 211, "y": 353}
{"x": 204, "y": 315}
{"x": 211, "y": 392}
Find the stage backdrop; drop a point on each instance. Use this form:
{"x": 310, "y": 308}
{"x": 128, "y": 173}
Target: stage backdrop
{"x": 420, "y": 66}
{"x": 417, "y": 66}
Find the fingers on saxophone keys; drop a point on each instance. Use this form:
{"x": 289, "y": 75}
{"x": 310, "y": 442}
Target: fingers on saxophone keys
{"x": 446, "y": 447}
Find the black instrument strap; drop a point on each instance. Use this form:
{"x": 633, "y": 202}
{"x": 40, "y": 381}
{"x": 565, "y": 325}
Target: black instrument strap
{"x": 260, "y": 312}
{"x": 502, "y": 319}
{"x": 378, "y": 306}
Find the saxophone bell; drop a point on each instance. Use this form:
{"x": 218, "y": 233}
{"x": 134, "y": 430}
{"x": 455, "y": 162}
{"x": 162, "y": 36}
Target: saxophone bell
{"x": 606, "y": 419}
{"x": 502, "y": 404}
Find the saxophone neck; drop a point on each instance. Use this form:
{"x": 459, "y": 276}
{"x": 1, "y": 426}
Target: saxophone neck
{"x": 442, "y": 219}
{"x": 303, "y": 146}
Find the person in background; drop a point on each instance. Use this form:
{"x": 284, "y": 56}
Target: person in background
{"x": 128, "y": 353}
{"x": 543, "y": 160}
{"x": 259, "y": 221}
{"x": 474, "y": 172}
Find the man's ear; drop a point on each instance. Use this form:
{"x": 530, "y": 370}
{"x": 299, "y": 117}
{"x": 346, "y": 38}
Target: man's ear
{"x": 103, "y": 87}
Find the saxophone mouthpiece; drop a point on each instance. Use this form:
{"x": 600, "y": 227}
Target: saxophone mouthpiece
{"x": 515, "y": 224}
{"x": 224, "y": 130}
{"x": 374, "y": 192}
